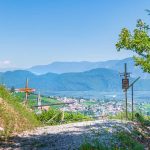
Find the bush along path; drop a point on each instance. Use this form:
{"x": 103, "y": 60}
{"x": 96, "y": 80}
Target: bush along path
{"x": 97, "y": 135}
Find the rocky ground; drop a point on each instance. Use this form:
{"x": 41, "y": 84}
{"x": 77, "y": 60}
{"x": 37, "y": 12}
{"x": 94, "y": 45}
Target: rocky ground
{"x": 67, "y": 136}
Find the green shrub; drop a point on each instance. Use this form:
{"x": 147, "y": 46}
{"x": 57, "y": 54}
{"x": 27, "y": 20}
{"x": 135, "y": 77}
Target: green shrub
{"x": 144, "y": 120}
{"x": 122, "y": 116}
{"x": 95, "y": 146}
{"x": 55, "y": 116}
{"x": 73, "y": 117}
{"x": 128, "y": 142}
{"x": 51, "y": 117}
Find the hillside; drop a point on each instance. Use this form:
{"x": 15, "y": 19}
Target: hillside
{"x": 97, "y": 79}
{"x": 14, "y": 117}
{"x": 101, "y": 79}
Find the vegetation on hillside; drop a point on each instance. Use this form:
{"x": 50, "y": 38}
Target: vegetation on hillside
{"x": 14, "y": 117}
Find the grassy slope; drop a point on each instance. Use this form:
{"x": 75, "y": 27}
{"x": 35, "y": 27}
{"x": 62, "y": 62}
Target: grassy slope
{"x": 14, "y": 117}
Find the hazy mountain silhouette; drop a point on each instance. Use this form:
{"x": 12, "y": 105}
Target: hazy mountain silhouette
{"x": 101, "y": 79}
{"x": 66, "y": 67}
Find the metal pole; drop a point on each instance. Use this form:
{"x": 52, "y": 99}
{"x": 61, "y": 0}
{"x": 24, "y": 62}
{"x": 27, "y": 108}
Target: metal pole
{"x": 126, "y": 104}
{"x": 126, "y": 99}
{"x": 132, "y": 92}
{"x": 132, "y": 102}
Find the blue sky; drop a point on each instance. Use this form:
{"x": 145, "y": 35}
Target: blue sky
{"x": 43, "y": 31}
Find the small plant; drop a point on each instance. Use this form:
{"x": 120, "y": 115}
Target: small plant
{"x": 144, "y": 120}
{"x": 95, "y": 145}
{"x": 128, "y": 142}
{"x": 122, "y": 116}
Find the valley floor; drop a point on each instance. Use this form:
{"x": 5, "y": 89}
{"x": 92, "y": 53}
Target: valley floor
{"x": 68, "y": 136}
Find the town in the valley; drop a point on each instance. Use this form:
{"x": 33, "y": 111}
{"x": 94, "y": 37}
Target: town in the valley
{"x": 93, "y": 107}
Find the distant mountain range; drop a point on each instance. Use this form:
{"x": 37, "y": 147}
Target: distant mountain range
{"x": 101, "y": 79}
{"x": 77, "y": 76}
{"x": 9, "y": 69}
{"x": 67, "y": 67}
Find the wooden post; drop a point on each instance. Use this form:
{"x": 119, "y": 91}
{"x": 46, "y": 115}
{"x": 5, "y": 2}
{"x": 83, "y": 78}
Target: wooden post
{"x": 26, "y": 90}
{"x": 62, "y": 116}
{"x": 26, "y": 98}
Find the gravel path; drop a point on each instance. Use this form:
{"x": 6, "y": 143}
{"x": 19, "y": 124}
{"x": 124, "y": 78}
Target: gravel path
{"x": 68, "y": 136}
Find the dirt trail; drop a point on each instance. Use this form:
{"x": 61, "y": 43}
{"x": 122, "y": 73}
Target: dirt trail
{"x": 68, "y": 136}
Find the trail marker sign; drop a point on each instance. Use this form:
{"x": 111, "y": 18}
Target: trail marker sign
{"x": 125, "y": 83}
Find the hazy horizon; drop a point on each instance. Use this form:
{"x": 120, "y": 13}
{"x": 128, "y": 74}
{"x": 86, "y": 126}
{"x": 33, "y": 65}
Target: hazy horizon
{"x": 14, "y": 68}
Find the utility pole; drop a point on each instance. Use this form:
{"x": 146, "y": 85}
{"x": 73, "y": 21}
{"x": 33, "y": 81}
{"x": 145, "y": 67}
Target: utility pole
{"x": 125, "y": 86}
{"x": 126, "y": 98}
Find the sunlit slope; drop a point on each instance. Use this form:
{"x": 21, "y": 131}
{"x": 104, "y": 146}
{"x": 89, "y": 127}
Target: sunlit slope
{"x": 14, "y": 117}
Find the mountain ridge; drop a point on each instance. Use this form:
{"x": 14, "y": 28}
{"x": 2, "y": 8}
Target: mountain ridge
{"x": 100, "y": 79}
{"x": 82, "y": 66}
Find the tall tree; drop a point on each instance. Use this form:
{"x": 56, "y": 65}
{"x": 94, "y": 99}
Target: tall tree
{"x": 139, "y": 42}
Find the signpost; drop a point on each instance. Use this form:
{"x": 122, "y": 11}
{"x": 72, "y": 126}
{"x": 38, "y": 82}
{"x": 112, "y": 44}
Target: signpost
{"x": 26, "y": 90}
{"x": 125, "y": 86}
{"x": 125, "y": 83}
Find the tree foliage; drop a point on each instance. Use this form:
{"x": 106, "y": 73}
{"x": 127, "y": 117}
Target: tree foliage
{"x": 138, "y": 42}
